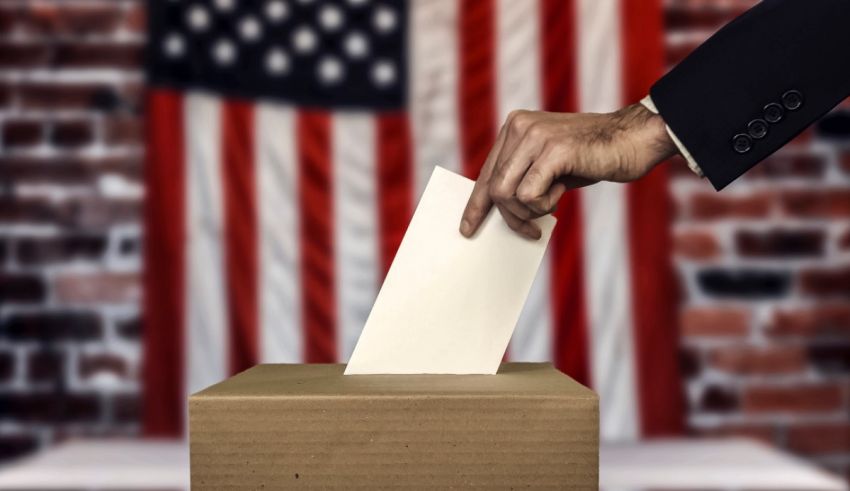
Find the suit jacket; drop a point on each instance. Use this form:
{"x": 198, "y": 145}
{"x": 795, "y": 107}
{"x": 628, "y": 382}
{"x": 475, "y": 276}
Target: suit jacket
{"x": 757, "y": 83}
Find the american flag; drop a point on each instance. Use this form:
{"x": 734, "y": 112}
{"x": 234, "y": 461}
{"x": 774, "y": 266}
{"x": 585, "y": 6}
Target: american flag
{"x": 289, "y": 141}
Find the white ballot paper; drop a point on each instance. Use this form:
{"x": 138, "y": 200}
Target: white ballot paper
{"x": 449, "y": 304}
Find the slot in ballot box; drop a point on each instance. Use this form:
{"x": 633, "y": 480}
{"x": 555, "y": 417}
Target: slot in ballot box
{"x": 282, "y": 426}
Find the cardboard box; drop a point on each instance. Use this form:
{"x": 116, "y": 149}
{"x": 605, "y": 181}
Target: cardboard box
{"x": 288, "y": 426}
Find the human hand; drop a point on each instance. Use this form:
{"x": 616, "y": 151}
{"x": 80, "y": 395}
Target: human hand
{"x": 540, "y": 155}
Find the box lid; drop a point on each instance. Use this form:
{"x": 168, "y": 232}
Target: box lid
{"x": 327, "y": 380}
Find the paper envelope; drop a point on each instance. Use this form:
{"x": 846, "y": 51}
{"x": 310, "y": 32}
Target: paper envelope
{"x": 449, "y": 304}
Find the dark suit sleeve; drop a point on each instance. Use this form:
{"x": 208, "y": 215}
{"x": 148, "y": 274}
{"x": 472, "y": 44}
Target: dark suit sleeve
{"x": 757, "y": 83}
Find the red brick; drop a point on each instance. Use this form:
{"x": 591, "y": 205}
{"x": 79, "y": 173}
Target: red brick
{"x": 135, "y": 19}
{"x": 42, "y": 95}
{"x": 697, "y": 245}
{"x": 18, "y": 133}
{"x": 794, "y": 398}
{"x": 97, "y": 55}
{"x": 780, "y": 243}
{"x": 127, "y": 408}
{"x": 130, "y": 328}
{"x": 24, "y": 55}
{"x": 7, "y": 366}
{"x": 68, "y": 170}
{"x": 704, "y": 17}
{"x": 844, "y": 161}
{"x": 830, "y": 358}
{"x": 72, "y": 134}
{"x": 719, "y": 399}
{"x": 124, "y": 131}
{"x": 715, "y": 321}
{"x": 826, "y": 282}
{"x": 50, "y": 407}
{"x": 72, "y": 19}
{"x": 784, "y": 166}
{"x": 10, "y": 16}
{"x": 844, "y": 241}
{"x": 45, "y": 366}
{"x": 84, "y": 213}
{"x": 817, "y": 203}
{"x": 802, "y": 140}
{"x": 706, "y": 206}
{"x": 46, "y": 326}
{"x": 824, "y": 320}
{"x": 97, "y": 288}
{"x": 816, "y": 439}
{"x": 41, "y": 250}
{"x": 679, "y": 52}
{"x": 5, "y": 95}
{"x": 750, "y": 360}
{"x": 690, "y": 362}
{"x": 21, "y": 287}
{"x": 95, "y": 364}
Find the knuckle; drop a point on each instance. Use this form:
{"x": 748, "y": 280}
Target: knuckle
{"x": 499, "y": 193}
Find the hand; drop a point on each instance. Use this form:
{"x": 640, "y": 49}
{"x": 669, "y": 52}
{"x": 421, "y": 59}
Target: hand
{"x": 540, "y": 155}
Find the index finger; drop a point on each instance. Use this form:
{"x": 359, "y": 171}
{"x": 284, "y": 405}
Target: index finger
{"x": 479, "y": 203}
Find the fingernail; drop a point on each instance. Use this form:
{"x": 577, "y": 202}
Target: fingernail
{"x": 465, "y": 227}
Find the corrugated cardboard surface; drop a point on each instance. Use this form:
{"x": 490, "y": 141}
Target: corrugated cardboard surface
{"x": 291, "y": 426}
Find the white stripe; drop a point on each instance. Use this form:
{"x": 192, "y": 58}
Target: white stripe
{"x": 280, "y": 272}
{"x": 433, "y": 88}
{"x": 606, "y": 257}
{"x": 206, "y": 306}
{"x": 355, "y": 225}
{"x": 518, "y": 87}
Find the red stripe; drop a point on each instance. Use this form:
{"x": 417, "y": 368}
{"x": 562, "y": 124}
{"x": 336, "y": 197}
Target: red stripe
{"x": 163, "y": 304}
{"x": 240, "y": 233}
{"x": 560, "y": 93}
{"x": 477, "y": 105}
{"x": 315, "y": 185}
{"x": 395, "y": 183}
{"x": 649, "y": 217}
{"x": 559, "y": 55}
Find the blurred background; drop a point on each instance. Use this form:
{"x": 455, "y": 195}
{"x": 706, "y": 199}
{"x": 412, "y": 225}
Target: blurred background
{"x": 762, "y": 268}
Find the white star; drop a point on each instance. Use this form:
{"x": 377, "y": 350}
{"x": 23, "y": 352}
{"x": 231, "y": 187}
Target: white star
{"x": 356, "y": 45}
{"x": 277, "y": 10}
{"x": 225, "y": 5}
{"x": 304, "y": 39}
{"x": 277, "y": 61}
{"x": 330, "y": 70}
{"x": 174, "y": 45}
{"x": 250, "y": 29}
{"x": 383, "y": 73}
{"x": 330, "y": 17}
{"x": 224, "y": 52}
{"x": 198, "y": 18}
{"x": 384, "y": 19}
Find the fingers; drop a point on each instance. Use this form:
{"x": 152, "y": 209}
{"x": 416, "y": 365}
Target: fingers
{"x": 479, "y": 203}
{"x": 525, "y": 228}
{"x": 477, "y": 207}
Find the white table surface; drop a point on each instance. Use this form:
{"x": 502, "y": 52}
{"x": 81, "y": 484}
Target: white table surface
{"x": 663, "y": 464}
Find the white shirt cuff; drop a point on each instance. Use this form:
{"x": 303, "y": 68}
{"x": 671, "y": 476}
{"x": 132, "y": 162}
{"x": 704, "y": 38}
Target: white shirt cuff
{"x": 692, "y": 164}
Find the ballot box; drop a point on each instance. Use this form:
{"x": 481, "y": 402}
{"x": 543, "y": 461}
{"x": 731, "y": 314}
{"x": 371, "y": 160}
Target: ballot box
{"x": 282, "y": 426}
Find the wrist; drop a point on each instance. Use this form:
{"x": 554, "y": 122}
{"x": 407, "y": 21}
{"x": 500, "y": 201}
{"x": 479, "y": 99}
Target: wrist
{"x": 648, "y": 137}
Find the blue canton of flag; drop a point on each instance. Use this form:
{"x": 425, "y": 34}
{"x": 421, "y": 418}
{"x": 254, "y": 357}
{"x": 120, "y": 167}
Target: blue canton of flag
{"x": 328, "y": 54}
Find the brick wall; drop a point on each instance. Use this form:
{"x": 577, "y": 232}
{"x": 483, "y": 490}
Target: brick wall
{"x": 70, "y": 196}
{"x": 765, "y": 274}
{"x": 764, "y": 266}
